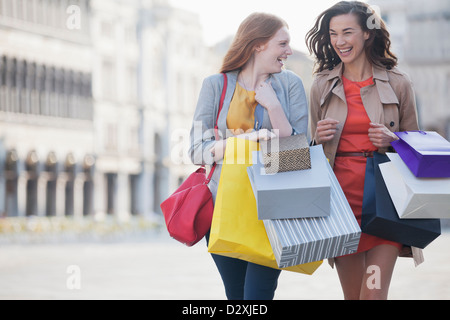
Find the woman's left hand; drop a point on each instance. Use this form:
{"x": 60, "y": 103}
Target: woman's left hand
{"x": 380, "y": 136}
{"x": 266, "y": 96}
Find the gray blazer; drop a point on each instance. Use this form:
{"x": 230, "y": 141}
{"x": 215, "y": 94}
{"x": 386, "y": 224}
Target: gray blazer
{"x": 290, "y": 92}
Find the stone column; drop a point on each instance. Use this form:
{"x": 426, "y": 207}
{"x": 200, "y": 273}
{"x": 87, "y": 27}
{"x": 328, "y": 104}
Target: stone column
{"x": 22, "y": 193}
{"x": 100, "y": 194}
{"x": 123, "y": 197}
{"x": 78, "y": 196}
{"x": 42, "y": 194}
{"x": 61, "y": 194}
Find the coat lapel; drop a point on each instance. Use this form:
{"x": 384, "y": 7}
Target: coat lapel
{"x": 334, "y": 85}
{"x": 385, "y": 91}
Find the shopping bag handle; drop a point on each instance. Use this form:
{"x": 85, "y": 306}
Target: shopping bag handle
{"x": 419, "y": 131}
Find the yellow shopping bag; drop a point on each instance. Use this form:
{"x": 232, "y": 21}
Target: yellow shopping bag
{"x": 236, "y": 231}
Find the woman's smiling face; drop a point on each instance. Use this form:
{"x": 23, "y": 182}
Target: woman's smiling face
{"x": 347, "y": 38}
{"x": 275, "y": 51}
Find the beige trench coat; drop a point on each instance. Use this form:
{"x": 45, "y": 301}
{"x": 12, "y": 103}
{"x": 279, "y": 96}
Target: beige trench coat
{"x": 389, "y": 101}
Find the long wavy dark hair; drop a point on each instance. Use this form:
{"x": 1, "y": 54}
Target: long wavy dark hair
{"x": 377, "y": 46}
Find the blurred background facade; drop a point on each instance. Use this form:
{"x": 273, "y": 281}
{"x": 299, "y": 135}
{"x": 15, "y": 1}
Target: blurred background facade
{"x": 420, "y": 38}
{"x": 97, "y": 98}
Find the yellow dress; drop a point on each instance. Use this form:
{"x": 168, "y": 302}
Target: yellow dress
{"x": 241, "y": 114}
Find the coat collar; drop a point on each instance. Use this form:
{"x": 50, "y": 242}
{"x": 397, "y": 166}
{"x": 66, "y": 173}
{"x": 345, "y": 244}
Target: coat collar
{"x": 378, "y": 73}
{"x": 381, "y": 79}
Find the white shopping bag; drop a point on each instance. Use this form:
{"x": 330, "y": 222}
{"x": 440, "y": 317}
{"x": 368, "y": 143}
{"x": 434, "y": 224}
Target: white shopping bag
{"x": 292, "y": 194}
{"x": 415, "y": 198}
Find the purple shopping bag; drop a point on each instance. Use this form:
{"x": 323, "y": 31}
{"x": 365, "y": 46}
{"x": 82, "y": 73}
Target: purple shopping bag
{"x": 426, "y": 153}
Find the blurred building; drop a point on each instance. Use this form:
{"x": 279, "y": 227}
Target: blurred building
{"x": 172, "y": 67}
{"x": 116, "y": 107}
{"x": 46, "y": 109}
{"x": 419, "y": 31}
{"x": 96, "y": 98}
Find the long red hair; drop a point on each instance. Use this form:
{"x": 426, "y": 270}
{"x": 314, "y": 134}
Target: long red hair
{"x": 257, "y": 29}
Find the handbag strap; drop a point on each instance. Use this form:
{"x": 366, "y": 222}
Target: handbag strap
{"x": 222, "y": 98}
{"x": 216, "y": 127}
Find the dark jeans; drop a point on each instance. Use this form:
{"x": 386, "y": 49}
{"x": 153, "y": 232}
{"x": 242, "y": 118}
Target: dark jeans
{"x": 245, "y": 280}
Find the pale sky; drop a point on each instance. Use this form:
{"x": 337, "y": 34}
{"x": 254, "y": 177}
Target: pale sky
{"x": 222, "y": 18}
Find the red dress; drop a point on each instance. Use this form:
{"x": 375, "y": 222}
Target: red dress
{"x": 350, "y": 171}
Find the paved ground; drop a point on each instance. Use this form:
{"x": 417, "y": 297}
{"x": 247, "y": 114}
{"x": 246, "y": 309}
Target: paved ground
{"x": 156, "y": 267}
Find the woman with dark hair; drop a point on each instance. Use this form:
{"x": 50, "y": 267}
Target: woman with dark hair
{"x": 256, "y": 80}
{"x": 359, "y": 98}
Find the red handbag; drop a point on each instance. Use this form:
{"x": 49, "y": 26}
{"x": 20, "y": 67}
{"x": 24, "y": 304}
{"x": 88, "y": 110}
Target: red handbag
{"x": 188, "y": 211}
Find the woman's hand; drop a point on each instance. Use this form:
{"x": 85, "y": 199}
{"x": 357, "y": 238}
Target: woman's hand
{"x": 262, "y": 134}
{"x": 266, "y": 96}
{"x": 259, "y": 135}
{"x": 325, "y": 130}
{"x": 380, "y": 136}
{"x": 218, "y": 149}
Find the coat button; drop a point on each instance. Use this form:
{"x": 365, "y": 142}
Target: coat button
{"x": 392, "y": 123}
